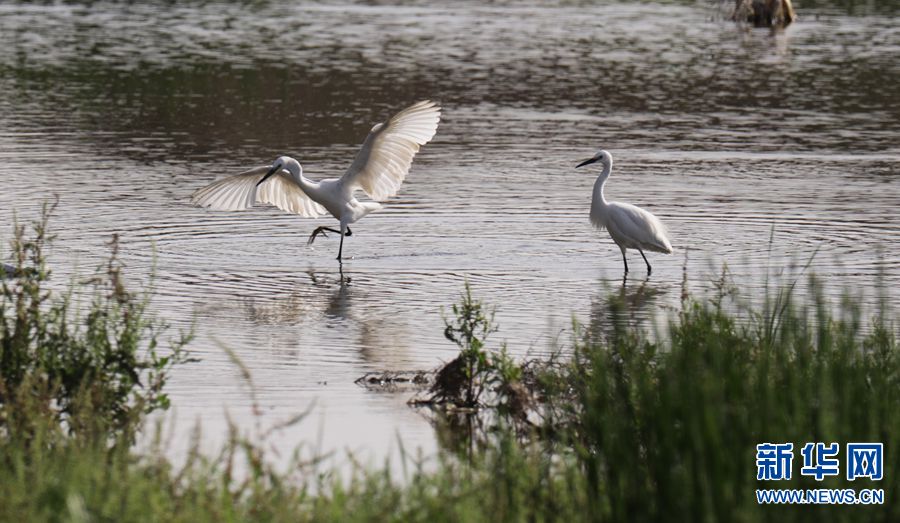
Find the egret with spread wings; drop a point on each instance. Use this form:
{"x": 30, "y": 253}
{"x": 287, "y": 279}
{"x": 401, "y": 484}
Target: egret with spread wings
{"x": 630, "y": 227}
{"x": 378, "y": 170}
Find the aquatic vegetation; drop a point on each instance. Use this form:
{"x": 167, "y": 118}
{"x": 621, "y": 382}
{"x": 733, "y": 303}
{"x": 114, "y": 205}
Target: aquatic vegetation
{"x": 669, "y": 428}
{"x": 628, "y": 427}
{"x": 480, "y": 379}
{"x": 95, "y": 369}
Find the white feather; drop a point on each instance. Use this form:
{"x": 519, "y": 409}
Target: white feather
{"x": 385, "y": 158}
{"x": 239, "y": 192}
{"x": 379, "y": 168}
{"x": 630, "y": 227}
{"x": 635, "y": 228}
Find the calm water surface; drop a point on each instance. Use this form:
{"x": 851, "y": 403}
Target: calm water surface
{"x": 731, "y": 136}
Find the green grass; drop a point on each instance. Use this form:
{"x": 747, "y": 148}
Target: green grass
{"x": 630, "y": 428}
{"x": 668, "y": 429}
{"x": 91, "y": 368}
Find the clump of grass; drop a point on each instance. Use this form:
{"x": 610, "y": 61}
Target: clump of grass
{"x": 667, "y": 429}
{"x": 463, "y": 381}
{"x": 479, "y": 377}
{"x": 93, "y": 371}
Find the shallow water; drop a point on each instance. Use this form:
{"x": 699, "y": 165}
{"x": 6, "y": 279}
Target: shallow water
{"x": 755, "y": 148}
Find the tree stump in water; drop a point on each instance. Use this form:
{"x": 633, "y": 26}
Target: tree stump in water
{"x": 764, "y": 13}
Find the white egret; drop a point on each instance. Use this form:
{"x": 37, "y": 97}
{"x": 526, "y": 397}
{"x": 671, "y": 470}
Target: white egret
{"x": 630, "y": 227}
{"x": 379, "y": 168}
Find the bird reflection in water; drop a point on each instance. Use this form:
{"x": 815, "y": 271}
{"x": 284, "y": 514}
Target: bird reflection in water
{"x": 327, "y": 296}
{"x": 631, "y": 305}
{"x": 339, "y": 302}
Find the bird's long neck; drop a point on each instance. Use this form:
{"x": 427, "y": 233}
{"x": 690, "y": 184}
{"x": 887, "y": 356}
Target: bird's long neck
{"x": 297, "y": 174}
{"x": 305, "y": 183}
{"x": 600, "y": 184}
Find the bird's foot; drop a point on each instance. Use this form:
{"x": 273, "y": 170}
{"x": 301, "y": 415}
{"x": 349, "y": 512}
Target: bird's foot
{"x": 315, "y": 233}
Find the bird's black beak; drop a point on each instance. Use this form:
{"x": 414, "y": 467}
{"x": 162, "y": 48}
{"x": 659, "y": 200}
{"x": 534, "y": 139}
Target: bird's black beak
{"x": 586, "y": 162}
{"x": 272, "y": 171}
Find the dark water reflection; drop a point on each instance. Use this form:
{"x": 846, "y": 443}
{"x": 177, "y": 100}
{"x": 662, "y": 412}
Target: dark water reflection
{"x": 756, "y": 148}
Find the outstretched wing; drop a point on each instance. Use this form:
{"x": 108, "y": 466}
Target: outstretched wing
{"x": 386, "y": 155}
{"x": 239, "y": 192}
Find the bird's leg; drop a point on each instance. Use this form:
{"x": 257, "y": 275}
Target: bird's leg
{"x": 649, "y": 268}
{"x": 318, "y": 231}
{"x": 625, "y": 260}
{"x": 345, "y": 231}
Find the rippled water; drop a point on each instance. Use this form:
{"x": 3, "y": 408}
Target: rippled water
{"x": 732, "y": 136}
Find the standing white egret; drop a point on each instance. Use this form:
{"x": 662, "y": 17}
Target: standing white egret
{"x": 379, "y": 169}
{"x": 630, "y": 227}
